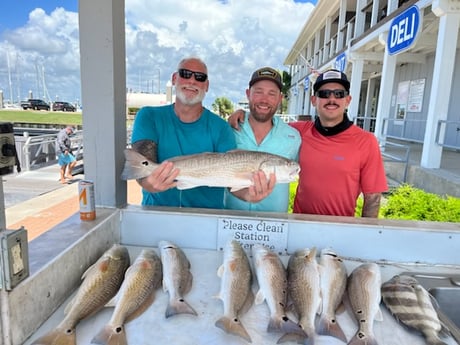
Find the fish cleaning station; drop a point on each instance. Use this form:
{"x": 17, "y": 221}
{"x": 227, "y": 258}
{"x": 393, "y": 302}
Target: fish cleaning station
{"x": 39, "y": 278}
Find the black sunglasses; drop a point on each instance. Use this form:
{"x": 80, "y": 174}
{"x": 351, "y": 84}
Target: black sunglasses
{"x": 327, "y": 93}
{"x": 187, "y": 74}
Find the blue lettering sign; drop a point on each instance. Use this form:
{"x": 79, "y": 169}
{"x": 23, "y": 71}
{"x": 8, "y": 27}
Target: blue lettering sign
{"x": 306, "y": 83}
{"x": 341, "y": 62}
{"x": 403, "y": 30}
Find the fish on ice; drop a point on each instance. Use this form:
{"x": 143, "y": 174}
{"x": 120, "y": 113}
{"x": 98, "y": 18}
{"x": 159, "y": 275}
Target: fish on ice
{"x": 304, "y": 292}
{"x": 232, "y": 169}
{"x": 235, "y": 289}
{"x": 177, "y": 278}
{"x": 101, "y": 282}
{"x": 363, "y": 288}
{"x": 272, "y": 280}
{"x": 136, "y": 294}
{"x": 333, "y": 280}
{"x": 411, "y": 304}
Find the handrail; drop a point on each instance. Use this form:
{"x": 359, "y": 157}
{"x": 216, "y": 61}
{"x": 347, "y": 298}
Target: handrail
{"x": 404, "y": 158}
{"x": 41, "y": 149}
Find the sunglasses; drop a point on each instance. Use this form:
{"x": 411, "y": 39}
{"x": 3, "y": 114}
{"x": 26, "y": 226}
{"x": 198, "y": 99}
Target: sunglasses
{"x": 187, "y": 74}
{"x": 327, "y": 93}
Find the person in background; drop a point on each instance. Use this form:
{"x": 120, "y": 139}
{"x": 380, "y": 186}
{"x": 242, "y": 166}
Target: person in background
{"x": 183, "y": 128}
{"x": 66, "y": 159}
{"x": 263, "y": 131}
{"x": 338, "y": 160}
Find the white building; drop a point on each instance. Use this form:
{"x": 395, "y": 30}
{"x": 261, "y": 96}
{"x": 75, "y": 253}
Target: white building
{"x": 402, "y": 61}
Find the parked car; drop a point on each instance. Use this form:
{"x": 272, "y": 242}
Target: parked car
{"x": 35, "y": 104}
{"x": 63, "y": 106}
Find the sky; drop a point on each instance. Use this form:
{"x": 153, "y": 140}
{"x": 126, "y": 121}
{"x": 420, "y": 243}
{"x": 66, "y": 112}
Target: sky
{"x": 39, "y": 44}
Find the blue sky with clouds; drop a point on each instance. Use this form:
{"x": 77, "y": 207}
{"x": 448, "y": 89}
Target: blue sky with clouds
{"x": 39, "y": 48}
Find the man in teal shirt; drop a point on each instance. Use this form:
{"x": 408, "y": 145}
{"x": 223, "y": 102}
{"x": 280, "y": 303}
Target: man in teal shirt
{"x": 182, "y": 128}
{"x": 265, "y": 132}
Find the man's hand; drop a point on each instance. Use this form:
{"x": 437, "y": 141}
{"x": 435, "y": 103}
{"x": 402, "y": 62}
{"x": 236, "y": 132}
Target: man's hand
{"x": 161, "y": 179}
{"x": 261, "y": 188}
{"x": 235, "y": 118}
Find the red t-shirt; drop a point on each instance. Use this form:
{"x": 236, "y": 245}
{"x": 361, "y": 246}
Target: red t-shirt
{"x": 336, "y": 169}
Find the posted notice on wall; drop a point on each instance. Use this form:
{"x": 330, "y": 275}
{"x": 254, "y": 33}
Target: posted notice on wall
{"x": 415, "y": 101}
{"x": 272, "y": 234}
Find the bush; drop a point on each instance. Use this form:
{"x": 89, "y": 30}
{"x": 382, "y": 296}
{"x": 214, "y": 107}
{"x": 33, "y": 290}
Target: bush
{"x": 407, "y": 202}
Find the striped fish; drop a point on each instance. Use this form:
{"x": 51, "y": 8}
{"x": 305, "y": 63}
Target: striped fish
{"x": 411, "y": 304}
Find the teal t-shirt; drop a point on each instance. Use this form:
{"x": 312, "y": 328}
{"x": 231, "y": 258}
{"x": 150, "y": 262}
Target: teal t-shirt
{"x": 282, "y": 140}
{"x": 209, "y": 133}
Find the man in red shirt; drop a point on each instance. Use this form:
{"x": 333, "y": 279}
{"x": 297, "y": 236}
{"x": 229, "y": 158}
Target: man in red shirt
{"x": 338, "y": 160}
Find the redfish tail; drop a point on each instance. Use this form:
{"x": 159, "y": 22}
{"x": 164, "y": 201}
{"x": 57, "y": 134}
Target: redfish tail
{"x": 285, "y": 325}
{"x": 57, "y": 337}
{"x": 110, "y": 335}
{"x": 233, "y": 326}
{"x": 179, "y": 306}
{"x": 361, "y": 338}
{"x": 332, "y": 328}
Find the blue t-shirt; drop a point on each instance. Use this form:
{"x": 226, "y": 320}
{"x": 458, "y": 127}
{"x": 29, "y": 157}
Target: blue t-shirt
{"x": 282, "y": 140}
{"x": 209, "y": 133}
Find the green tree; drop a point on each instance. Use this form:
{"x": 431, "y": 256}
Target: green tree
{"x": 222, "y": 106}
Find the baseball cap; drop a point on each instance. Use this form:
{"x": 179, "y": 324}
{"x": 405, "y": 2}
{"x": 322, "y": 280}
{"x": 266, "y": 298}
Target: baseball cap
{"x": 332, "y": 76}
{"x": 266, "y": 73}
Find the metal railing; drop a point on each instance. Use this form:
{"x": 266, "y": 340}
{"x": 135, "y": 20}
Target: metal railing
{"x": 40, "y": 150}
{"x": 397, "y": 153}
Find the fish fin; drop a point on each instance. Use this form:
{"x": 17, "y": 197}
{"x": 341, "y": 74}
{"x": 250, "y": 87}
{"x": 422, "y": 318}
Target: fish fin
{"x": 285, "y": 325}
{"x": 233, "y": 326}
{"x": 111, "y": 335}
{"x": 142, "y": 308}
{"x": 260, "y": 297}
{"x": 220, "y": 271}
{"x": 57, "y": 336}
{"x": 331, "y": 327}
{"x": 113, "y": 301}
{"x": 293, "y": 338}
{"x": 179, "y": 306}
{"x": 362, "y": 339}
{"x": 378, "y": 315}
{"x": 181, "y": 185}
{"x": 136, "y": 165}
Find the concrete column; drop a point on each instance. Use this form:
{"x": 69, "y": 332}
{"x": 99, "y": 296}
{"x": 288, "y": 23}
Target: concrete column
{"x": 103, "y": 83}
{"x": 385, "y": 94}
{"x": 355, "y": 87}
{"x": 442, "y": 83}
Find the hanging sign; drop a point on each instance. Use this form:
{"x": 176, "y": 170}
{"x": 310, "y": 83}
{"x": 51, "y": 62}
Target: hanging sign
{"x": 403, "y": 30}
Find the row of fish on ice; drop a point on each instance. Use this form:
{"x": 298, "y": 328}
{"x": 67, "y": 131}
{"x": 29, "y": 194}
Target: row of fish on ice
{"x": 130, "y": 289}
{"x": 314, "y": 290}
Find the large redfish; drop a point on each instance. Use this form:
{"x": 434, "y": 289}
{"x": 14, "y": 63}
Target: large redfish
{"x": 233, "y": 169}
{"x": 101, "y": 282}
{"x": 136, "y": 294}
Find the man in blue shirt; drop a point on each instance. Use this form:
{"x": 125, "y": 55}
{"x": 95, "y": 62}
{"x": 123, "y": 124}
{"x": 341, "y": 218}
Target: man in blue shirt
{"x": 261, "y": 130}
{"x": 184, "y": 128}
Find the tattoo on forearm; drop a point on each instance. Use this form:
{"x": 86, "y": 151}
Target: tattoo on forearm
{"x": 371, "y": 205}
{"x": 146, "y": 148}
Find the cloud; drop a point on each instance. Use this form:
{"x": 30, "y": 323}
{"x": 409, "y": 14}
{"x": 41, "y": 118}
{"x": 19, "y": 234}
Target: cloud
{"x": 233, "y": 37}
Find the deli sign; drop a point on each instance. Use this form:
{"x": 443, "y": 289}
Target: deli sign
{"x": 403, "y": 30}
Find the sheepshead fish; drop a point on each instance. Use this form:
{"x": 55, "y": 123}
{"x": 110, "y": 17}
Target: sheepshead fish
{"x": 101, "y": 282}
{"x": 364, "y": 296}
{"x": 333, "y": 284}
{"x": 304, "y": 291}
{"x": 177, "y": 278}
{"x": 235, "y": 289}
{"x": 232, "y": 169}
{"x": 272, "y": 280}
{"x": 411, "y": 304}
{"x": 136, "y": 294}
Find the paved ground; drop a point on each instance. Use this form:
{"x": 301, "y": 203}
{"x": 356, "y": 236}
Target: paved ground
{"x": 38, "y": 201}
